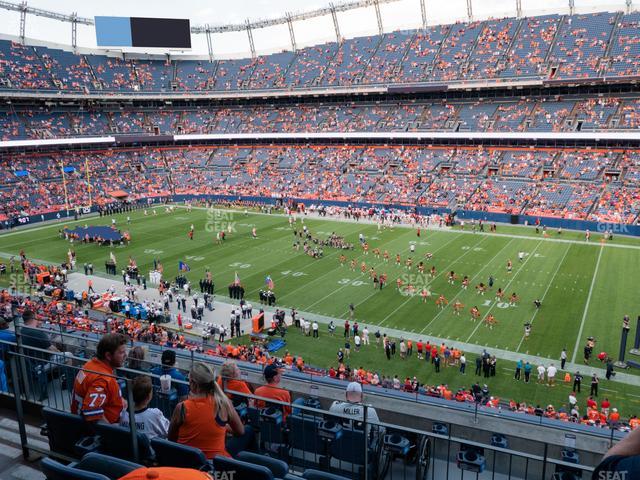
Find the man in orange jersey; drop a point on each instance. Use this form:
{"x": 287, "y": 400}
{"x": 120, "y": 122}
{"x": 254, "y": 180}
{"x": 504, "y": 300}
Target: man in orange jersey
{"x": 96, "y": 393}
{"x": 272, "y": 375}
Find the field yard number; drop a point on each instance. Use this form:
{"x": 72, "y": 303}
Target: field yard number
{"x": 475, "y": 249}
{"x": 293, "y": 274}
{"x": 153, "y": 251}
{"x": 353, "y": 283}
{"x": 240, "y": 265}
{"x": 487, "y": 303}
{"x": 194, "y": 259}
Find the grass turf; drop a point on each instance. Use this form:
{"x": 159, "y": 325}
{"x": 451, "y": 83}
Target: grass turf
{"x": 585, "y": 288}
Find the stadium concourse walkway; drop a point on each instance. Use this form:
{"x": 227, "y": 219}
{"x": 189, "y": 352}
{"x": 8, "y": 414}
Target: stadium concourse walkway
{"x": 224, "y": 305}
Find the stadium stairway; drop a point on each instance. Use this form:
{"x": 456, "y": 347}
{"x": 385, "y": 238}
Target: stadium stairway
{"x": 12, "y": 464}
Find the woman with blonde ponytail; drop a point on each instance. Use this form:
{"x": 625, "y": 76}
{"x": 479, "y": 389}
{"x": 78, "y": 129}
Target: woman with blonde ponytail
{"x": 201, "y": 421}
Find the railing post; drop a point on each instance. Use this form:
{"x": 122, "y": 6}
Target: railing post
{"x": 132, "y": 422}
{"x": 19, "y": 412}
{"x": 25, "y": 365}
{"x": 366, "y": 442}
{"x": 544, "y": 462}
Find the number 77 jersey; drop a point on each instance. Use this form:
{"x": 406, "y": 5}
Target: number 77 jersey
{"x": 96, "y": 393}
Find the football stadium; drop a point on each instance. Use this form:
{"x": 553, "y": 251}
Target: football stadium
{"x": 368, "y": 239}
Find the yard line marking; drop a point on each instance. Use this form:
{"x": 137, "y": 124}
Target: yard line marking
{"x": 609, "y": 390}
{"x": 545, "y": 293}
{"x": 461, "y": 290}
{"x": 481, "y": 321}
{"x": 586, "y": 308}
{"x": 433, "y": 279}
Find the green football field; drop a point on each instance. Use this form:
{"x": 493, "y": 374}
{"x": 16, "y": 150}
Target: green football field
{"x": 585, "y": 288}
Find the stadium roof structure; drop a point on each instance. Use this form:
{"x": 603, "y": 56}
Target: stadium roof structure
{"x": 332, "y": 9}
{"x": 207, "y": 29}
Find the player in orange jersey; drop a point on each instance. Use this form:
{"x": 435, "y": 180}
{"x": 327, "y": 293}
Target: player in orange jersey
{"x": 457, "y": 307}
{"x": 513, "y": 299}
{"x": 442, "y": 301}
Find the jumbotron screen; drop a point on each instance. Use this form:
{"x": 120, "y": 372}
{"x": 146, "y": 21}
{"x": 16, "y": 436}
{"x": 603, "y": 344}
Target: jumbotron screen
{"x": 143, "y": 32}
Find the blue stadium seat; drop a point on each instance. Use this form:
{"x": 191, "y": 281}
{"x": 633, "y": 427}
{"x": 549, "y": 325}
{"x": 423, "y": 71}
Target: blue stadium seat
{"x": 65, "y": 431}
{"x": 243, "y": 470}
{"x": 270, "y": 433}
{"x": 111, "y": 467}
{"x": 306, "y": 447}
{"x": 311, "y": 474}
{"x": 279, "y": 468}
{"x": 172, "y": 454}
{"x": 56, "y": 471}
{"x": 116, "y": 441}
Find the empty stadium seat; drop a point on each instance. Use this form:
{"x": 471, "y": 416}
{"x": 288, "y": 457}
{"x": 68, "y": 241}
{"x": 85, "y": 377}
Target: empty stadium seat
{"x": 57, "y": 471}
{"x": 65, "y": 430}
{"x": 116, "y": 441}
{"x": 172, "y": 454}
{"x": 279, "y": 468}
{"x": 111, "y": 467}
{"x": 311, "y": 474}
{"x": 243, "y": 470}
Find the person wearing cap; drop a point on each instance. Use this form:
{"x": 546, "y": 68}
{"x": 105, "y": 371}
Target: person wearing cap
{"x": 272, "y": 376}
{"x": 166, "y": 473}
{"x": 352, "y": 410}
{"x": 168, "y": 361}
{"x": 203, "y": 419}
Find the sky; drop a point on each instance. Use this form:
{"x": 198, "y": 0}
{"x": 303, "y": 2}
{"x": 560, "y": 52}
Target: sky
{"x": 401, "y": 14}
